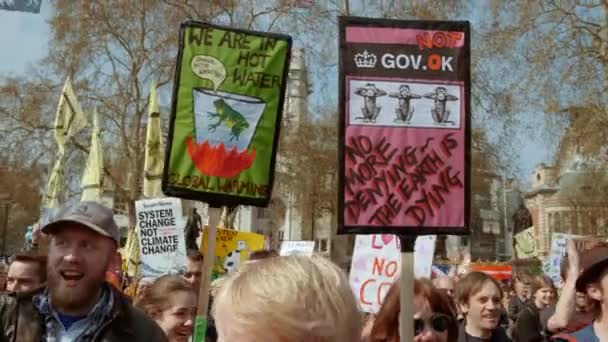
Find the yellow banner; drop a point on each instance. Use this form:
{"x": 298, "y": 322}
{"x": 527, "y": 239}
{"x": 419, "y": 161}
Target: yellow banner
{"x": 232, "y": 249}
{"x": 154, "y": 156}
{"x": 69, "y": 118}
{"x": 91, "y": 179}
{"x": 51, "y": 197}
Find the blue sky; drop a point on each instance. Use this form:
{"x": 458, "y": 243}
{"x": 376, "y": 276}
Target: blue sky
{"x": 24, "y": 38}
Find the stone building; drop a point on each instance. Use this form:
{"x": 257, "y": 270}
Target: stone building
{"x": 569, "y": 199}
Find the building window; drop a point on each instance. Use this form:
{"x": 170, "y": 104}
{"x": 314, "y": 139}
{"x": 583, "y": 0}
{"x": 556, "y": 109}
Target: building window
{"x": 322, "y": 245}
{"x": 567, "y": 225}
{"x": 262, "y": 213}
{"x": 120, "y": 205}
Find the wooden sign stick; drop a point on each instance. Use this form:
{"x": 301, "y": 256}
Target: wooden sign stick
{"x": 406, "y": 314}
{"x": 200, "y": 325}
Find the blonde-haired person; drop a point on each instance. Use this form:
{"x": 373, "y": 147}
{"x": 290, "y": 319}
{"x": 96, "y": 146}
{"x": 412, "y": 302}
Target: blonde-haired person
{"x": 292, "y": 298}
{"x": 171, "y": 302}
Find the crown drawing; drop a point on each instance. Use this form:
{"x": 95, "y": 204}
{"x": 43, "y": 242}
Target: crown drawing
{"x": 365, "y": 60}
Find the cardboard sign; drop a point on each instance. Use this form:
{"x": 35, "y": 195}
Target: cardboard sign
{"x": 297, "y": 248}
{"x": 552, "y": 265}
{"x": 226, "y": 113}
{"x": 525, "y": 244}
{"x": 160, "y": 229}
{"x": 404, "y": 146}
{"x": 232, "y": 249}
{"x": 424, "y": 250}
{"x": 376, "y": 263}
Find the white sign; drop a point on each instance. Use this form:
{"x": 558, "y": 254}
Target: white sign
{"x": 297, "y": 248}
{"x": 553, "y": 263}
{"x": 423, "y": 255}
{"x": 376, "y": 264}
{"x": 160, "y": 228}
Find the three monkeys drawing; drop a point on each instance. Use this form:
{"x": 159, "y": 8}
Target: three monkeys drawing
{"x": 404, "y": 110}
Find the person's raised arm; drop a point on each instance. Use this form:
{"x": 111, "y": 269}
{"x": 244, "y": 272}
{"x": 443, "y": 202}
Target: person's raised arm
{"x": 564, "y": 309}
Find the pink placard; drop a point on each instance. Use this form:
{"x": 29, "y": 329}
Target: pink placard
{"x": 422, "y": 38}
{"x": 404, "y": 127}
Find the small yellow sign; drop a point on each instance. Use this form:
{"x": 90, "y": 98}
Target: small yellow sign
{"x": 232, "y": 249}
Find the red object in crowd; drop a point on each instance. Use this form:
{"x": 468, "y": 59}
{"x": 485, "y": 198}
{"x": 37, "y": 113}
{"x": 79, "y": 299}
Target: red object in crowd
{"x": 114, "y": 274}
{"x": 498, "y": 272}
{"x": 217, "y": 161}
{"x": 114, "y": 279}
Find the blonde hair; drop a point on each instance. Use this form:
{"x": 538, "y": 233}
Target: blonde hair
{"x": 293, "y": 298}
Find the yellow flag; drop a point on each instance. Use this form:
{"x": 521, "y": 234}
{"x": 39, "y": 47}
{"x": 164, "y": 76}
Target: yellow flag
{"x": 51, "y": 197}
{"x": 69, "y": 118}
{"x": 92, "y": 177}
{"x": 131, "y": 257}
{"x": 154, "y": 155}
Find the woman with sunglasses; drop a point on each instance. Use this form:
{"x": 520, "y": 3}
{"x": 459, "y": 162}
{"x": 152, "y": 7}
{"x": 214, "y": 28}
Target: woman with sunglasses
{"x": 434, "y": 316}
{"x": 480, "y": 299}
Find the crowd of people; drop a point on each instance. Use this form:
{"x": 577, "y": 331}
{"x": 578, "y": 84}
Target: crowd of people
{"x": 65, "y": 295}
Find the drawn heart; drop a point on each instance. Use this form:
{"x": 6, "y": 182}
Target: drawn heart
{"x": 387, "y": 238}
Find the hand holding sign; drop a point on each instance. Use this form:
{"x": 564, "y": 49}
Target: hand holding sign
{"x": 574, "y": 266}
{"x": 210, "y": 68}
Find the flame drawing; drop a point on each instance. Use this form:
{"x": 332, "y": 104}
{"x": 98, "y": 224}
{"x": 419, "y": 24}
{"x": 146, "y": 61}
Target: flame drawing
{"x": 217, "y": 161}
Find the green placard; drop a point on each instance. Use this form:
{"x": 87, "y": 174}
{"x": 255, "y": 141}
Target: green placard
{"x": 200, "y": 329}
{"x": 226, "y": 113}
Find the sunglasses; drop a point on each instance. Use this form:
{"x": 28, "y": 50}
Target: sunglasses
{"x": 437, "y": 322}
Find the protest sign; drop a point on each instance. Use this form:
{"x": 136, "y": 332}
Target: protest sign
{"x": 376, "y": 262}
{"x": 297, "y": 248}
{"x": 552, "y": 265}
{"x": 160, "y": 229}
{"x": 525, "y": 244}
{"x": 424, "y": 250}
{"x": 404, "y": 147}
{"x": 227, "y": 105}
{"x": 232, "y": 249}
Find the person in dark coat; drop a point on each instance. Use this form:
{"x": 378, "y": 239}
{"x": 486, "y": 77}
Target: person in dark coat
{"x": 480, "y": 299}
{"x": 518, "y": 302}
{"x": 529, "y": 326}
{"x": 77, "y": 303}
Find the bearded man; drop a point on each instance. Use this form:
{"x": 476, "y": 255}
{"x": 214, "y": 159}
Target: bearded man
{"x": 77, "y": 304}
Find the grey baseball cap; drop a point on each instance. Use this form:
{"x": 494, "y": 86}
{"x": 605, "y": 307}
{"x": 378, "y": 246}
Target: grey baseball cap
{"x": 92, "y": 215}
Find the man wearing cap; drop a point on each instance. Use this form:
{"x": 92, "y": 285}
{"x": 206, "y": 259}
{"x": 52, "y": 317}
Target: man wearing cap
{"x": 593, "y": 281}
{"x": 77, "y": 304}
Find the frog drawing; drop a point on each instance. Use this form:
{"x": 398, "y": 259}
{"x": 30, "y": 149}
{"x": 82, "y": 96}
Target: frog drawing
{"x": 229, "y": 117}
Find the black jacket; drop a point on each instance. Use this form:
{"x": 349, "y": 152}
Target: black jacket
{"x": 516, "y": 305}
{"x": 528, "y": 327}
{"x": 20, "y": 321}
{"x": 498, "y": 335}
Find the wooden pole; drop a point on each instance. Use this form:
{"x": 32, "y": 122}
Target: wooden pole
{"x": 200, "y": 325}
{"x": 406, "y": 315}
